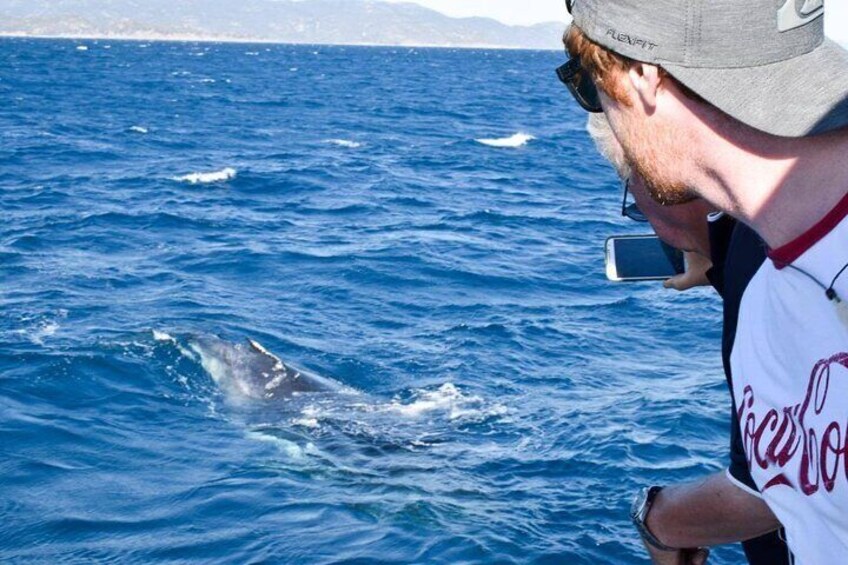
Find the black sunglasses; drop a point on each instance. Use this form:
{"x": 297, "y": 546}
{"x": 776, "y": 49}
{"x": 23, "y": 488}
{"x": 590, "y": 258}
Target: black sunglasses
{"x": 580, "y": 84}
{"x": 631, "y": 210}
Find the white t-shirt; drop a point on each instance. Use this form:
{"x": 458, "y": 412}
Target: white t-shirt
{"x": 790, "y": 380}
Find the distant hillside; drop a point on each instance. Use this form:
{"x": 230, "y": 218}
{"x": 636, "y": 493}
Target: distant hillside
{"x": 285, "y": 21}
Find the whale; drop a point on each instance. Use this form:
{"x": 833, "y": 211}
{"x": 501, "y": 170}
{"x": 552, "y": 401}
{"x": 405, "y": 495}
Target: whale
{"x": 246, "y": 384}
{"x": 249, "y": 371}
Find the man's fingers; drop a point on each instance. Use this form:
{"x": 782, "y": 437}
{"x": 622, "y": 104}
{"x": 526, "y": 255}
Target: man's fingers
{"x": 685, "y": 282}
{"x": 699, "y": 557}
{"x": 695, "y": 275}
{"x": 678, "y": 282}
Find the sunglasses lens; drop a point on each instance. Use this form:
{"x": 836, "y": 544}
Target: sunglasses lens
{"x": 588, "y": 92}
{"x": 633, "y": 212}
{"x": 580, "y": 85}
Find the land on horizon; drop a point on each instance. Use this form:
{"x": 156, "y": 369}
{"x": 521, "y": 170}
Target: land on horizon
{"x": 337, "y": 22}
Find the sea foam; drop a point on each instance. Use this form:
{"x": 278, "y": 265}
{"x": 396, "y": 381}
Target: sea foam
{"x": 345, "y": 143}
{"x": 288, "y": 447}
{"x": 517, "y": 140}
{"x": 208, "y": 178}
{"x": 450, "y": 400}
{"x": 162, "y": 336}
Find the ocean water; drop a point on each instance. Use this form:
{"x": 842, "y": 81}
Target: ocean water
{"x": 423, "y": 226}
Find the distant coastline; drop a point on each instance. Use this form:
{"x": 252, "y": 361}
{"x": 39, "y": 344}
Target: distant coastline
{"x": 193, "y": 38}
{"x": 287, "y": 22}
{"x": 190, "y": 38}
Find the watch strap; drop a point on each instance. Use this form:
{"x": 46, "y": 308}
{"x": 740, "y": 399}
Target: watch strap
{"x": 641, "y": 507}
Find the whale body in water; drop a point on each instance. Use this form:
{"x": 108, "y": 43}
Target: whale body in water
{"x": 249, "y": 370}
{"x": 281, "y": 404}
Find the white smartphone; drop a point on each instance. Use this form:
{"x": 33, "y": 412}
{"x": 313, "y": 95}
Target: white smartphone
{"x": 641, "y": 258}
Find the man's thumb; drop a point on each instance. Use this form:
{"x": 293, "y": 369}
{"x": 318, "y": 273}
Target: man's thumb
{"x": 673, "y": 282}
{"x": 699, "y": 557}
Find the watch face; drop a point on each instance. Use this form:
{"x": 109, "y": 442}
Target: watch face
{"x": 638, "y": 503}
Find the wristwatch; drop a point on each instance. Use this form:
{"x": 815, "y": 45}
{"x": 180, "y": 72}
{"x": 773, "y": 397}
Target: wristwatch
{"x": 639, "y": 514}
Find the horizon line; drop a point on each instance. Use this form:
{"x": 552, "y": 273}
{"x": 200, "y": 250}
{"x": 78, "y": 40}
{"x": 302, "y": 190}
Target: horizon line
{"x": 177, "y": 38}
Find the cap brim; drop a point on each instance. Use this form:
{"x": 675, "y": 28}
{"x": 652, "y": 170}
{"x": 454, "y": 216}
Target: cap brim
{"x": 806, "y": 95}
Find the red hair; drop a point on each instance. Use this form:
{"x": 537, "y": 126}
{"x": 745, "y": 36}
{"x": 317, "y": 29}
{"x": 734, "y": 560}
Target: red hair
{"x": 606, "y": 66}
{"x": 603, "y": 65}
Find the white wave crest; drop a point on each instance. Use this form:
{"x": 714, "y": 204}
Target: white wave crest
{"x": 450, "y": 400}
{"x": 207, "y": 178}
{"x": 311, "y": 423}
{"x": 139, "y": 129}
{"x": 345, "y": 143}
{"x": 517, "y": 140}
{"x": 289, "y": 448}
{"x": 82, "y": 48}
{"x": 43, "y": 328}
{"x": 162, "y": 336}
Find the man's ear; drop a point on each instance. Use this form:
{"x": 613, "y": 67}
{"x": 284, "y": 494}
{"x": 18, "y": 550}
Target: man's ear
{"x": 645, "y": 80}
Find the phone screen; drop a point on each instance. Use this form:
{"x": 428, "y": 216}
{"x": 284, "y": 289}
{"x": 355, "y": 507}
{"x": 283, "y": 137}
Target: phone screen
{"x": 642, "y": 258}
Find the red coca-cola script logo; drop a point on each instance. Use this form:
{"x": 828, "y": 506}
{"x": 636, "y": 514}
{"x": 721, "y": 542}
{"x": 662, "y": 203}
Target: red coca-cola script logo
{"x": 800, "y": 431}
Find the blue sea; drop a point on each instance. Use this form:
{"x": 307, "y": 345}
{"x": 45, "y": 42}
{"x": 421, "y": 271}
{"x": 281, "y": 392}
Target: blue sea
{"x": 423, "y": 226}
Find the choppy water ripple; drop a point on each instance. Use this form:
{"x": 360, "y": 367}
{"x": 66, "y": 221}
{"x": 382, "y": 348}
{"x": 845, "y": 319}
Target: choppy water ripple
{"x": 336, "y": 205}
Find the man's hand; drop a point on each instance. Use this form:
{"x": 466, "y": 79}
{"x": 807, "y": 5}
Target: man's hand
{"x": 679, "y": 557}
{"x": 696, "y": 273}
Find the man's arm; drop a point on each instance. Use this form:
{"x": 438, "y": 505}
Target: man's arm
{"x": 709, "y": 512}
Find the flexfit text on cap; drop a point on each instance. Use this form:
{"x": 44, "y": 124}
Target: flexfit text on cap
{"x": 767, "y": 63}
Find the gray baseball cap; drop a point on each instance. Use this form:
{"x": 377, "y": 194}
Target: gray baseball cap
{"x": 767, "y": 63}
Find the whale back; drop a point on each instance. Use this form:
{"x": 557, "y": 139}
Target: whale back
{"x": 248, "y": 370}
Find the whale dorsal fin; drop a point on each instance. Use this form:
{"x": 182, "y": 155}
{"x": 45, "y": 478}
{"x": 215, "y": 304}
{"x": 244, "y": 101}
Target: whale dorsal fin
{"x": 278, "y": 363}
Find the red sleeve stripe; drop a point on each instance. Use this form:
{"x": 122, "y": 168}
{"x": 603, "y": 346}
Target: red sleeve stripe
{"x": 787, "y": 254}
